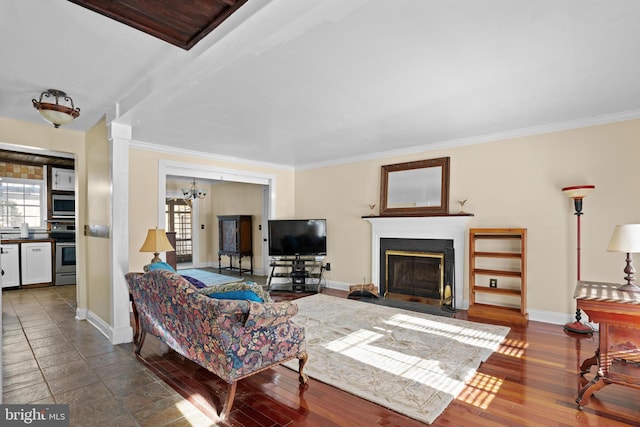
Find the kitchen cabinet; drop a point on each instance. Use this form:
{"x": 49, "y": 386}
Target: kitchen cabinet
{"x": 63, "y": 179}
{"x": 36, "y": 263}
{"x": 10, "y": 261}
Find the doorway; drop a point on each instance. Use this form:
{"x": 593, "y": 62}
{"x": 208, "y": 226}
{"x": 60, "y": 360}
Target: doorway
{"x": 167, "y": 170}
{"x": 178, "y": 218}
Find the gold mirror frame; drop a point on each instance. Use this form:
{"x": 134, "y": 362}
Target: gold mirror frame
{"x": 422, "y": 187}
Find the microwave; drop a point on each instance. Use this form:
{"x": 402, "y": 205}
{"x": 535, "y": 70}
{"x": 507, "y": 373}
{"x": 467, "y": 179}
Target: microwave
{"x": 63, "y": 206}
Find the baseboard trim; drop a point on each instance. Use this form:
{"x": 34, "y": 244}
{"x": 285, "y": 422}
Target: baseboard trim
{"x": 81, "y": 313}
{"x": 97, "y": 322}
{"x": 115, "y": 336}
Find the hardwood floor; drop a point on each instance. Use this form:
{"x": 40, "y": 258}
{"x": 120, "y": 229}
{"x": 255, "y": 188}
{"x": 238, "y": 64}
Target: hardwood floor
{"x": 532, "y": 380}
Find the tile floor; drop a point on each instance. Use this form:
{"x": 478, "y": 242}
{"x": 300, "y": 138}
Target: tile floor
{"x": 48, "y": 356}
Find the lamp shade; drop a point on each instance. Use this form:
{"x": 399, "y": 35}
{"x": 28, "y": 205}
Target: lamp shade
{"x": 56, "y": 117}
{"x": 578, "y": 191}
{"x": 625, "y": 238}
{"x": 156, "y": 241}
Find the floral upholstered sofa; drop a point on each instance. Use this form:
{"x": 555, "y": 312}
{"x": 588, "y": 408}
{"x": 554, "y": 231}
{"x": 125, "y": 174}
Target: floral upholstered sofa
{"x": 229, "y": 337}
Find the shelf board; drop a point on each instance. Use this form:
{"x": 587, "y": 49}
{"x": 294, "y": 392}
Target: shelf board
{"x": 497, "y": 236}
{"x": 499, "y": 291}
{"x": 515, "y": 255}
{"x": 503, "y": 273}
{"x": 495, "y": 312}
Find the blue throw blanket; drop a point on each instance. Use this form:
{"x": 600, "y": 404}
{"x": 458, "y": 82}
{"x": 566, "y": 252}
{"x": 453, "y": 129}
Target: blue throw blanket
{"x": 207, "y": 277}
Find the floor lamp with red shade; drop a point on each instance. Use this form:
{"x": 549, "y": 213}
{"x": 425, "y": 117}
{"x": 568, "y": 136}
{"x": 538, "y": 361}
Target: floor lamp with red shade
{"x": 577, "y": 193}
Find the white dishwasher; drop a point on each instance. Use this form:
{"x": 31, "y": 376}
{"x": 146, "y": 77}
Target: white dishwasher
{"x": 10, "y": 262}
{"x": 36, "y": 263}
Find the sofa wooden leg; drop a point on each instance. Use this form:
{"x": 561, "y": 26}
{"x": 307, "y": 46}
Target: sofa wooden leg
{"x": 302, "y": 360}
{"x": 139, "y": 342}
{"x": 231, "y": 394}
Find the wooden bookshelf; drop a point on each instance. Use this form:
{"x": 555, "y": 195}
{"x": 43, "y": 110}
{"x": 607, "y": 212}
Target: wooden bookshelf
{"x": 505, "y": 248}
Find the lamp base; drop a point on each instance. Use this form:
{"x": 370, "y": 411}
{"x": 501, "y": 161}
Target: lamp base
{"x": 629, "y": 287}
{"x": 156, "y": 257}
{"x": 578, "y": 328}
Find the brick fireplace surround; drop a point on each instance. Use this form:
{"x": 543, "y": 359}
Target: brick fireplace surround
{"x": 452, "y": 227}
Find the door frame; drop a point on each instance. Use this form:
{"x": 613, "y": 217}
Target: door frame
{"x": 214, "y": 173}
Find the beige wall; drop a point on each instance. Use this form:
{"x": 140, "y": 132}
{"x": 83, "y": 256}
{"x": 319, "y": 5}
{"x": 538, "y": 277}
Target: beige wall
{"x": 231, "y": 198}
{"x": 513, "y": 183}
{"x": 98, "y": 266}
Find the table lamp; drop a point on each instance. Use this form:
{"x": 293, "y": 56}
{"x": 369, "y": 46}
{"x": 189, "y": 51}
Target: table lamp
{"x": 156, "y": 242}
{"x": 626, "y": 238}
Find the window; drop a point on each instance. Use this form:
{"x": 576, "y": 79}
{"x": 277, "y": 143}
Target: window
{"x": 22, "y": 200}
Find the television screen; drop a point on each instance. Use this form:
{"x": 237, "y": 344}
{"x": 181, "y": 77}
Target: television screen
{"x": 297, "y": 237}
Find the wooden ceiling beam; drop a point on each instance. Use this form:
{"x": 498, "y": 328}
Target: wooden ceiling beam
{"x": 177, "y": 22}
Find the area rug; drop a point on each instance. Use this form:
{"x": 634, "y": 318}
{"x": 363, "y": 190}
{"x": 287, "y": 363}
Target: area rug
{"x": 209, "y": 278}
{"x": 412, "y": 363}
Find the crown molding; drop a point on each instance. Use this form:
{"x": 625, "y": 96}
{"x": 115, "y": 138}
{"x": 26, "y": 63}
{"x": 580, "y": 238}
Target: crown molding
{"x": 203, "y": 155}
{"x": 481, "y": 139}
{"x": 438, "y": 145}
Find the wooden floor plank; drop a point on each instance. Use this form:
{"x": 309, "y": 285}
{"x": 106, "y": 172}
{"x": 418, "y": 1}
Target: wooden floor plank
{"x": 532, "y": 380}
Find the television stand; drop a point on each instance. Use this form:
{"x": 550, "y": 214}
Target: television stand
{"x": 304, "y": 274}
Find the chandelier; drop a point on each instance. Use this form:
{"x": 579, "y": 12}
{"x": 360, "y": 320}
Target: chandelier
{"x": 57, "y": 114}
{"x": 193, "y": 192}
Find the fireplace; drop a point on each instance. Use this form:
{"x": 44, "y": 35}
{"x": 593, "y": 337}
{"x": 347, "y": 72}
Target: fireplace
{"x": 419, "y": 270}
{"x": 451, "y": 228}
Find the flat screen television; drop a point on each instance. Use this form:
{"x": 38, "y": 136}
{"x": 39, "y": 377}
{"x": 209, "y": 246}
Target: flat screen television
{"x": 297, "y": 237}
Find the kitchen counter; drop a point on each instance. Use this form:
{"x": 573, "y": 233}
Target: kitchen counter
{"x": 31, "y": 239}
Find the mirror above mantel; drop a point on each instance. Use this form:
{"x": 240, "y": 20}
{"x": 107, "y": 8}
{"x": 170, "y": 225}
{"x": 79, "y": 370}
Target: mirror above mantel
{"x": 418, "y": 188}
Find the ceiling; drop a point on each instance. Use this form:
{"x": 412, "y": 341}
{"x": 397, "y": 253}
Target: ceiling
{"x": 305, "y": 83}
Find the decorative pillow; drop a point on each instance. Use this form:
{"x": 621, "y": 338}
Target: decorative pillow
{"x": 241, "y": 295}
{"x": 161, "y": 265}
{"x": 195, "y": 282}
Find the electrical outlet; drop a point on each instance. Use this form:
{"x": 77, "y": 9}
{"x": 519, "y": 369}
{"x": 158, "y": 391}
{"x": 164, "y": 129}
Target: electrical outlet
{"x": 327, "y": 266}
{"x": 493, "y": 283}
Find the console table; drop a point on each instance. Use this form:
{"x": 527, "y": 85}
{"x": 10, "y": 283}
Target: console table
{"x": 300, "y": 271}
{"x": 618, "y": 353}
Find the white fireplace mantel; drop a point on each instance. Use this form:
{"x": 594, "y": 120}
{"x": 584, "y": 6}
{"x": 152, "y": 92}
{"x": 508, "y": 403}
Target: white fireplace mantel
{"x": 433, "y": 227}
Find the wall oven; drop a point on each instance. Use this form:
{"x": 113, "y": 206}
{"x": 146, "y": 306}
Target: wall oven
{"x": 65, "y": 263}
{"x": 65, "y": 237}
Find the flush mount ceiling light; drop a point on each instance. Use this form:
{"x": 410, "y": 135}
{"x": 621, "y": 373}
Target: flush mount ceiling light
{"x": 57, "y": 114}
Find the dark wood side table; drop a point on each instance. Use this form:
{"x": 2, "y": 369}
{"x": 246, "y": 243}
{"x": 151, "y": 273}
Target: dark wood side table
{"x": 618, "y": 353}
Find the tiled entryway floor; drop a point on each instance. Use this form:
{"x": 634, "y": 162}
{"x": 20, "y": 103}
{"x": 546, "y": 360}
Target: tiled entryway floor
{"x": 48, "y": 356}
